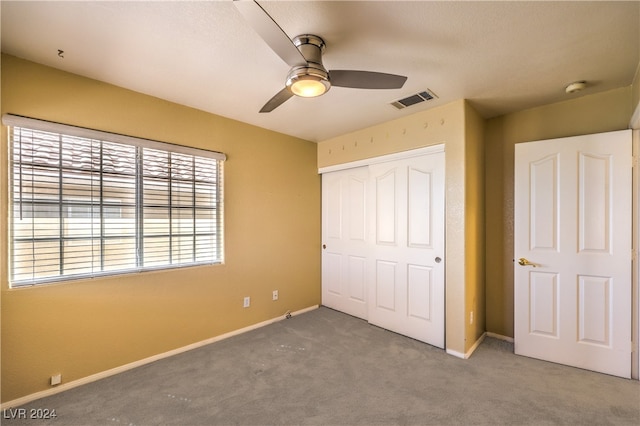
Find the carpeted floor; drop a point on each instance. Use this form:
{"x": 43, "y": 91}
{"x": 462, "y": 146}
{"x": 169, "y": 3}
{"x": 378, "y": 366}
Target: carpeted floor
{"x": 327, "y": 368}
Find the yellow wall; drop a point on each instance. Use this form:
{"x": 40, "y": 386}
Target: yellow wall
{"x": 272, "y": 240}
{"x": 445, "y": 124}
{"x": 602, "y": 112}
{"x": 431, "y": 127}
{"x": 474, "y": 226}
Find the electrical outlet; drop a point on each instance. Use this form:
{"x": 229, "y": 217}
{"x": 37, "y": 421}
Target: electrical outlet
{"x": 247, "y": 302}
{"x": 275, "y": 295}
{"x": 56, "y": 379}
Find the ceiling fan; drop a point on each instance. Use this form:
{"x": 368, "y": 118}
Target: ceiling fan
{"x": 307, "y": 76}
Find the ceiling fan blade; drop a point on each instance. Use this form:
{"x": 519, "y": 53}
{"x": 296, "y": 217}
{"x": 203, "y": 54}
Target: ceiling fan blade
{"x": 366, "y": 79}
{"x": 270, "y": 32}
{"x": 279, "y": 98}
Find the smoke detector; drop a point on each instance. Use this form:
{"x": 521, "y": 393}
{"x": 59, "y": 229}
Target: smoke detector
{"x": 576, "y": 86}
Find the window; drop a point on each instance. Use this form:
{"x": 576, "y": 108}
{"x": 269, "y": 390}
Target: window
{"x": 87, "y": 203}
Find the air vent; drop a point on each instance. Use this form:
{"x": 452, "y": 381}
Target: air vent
{"x": 426, "y": 95}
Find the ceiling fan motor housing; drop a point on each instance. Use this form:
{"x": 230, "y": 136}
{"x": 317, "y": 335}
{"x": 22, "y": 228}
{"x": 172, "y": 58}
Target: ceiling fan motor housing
{"x": 313, "y": 72}
{"x": 311, "y": 47}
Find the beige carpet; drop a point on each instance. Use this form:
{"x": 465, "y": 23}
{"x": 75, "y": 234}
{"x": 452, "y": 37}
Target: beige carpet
{"x": 327, "y": 368}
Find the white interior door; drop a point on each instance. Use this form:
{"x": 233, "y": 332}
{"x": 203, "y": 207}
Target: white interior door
{"x": 573, "y": 227}
{"x": 345, "y": 251}
{"x": 406, "y": 291}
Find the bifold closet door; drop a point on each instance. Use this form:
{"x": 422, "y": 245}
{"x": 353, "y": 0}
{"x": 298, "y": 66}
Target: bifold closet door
{"x": 406, "y": 219}
{"x": 344, "y": 239}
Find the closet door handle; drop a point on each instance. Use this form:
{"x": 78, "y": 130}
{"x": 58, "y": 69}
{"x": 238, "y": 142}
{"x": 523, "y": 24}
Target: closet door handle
{"x": 438, "y": 260}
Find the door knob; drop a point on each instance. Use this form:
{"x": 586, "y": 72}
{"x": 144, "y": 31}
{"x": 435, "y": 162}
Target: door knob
{"x": 524, "y": 262}
{"x": 438, "y": 260}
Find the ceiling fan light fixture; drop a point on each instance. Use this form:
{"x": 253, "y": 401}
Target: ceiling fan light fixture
{"x": 308, "y": 87}
{"x": 308, "y": 82}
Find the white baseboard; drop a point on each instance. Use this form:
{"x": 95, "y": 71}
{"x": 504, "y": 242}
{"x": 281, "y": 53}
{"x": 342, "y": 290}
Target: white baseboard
{"x": 473, "y": 348}
{"x": 470, "y": 351}
{"x": 103, "y": 374}
{"x": 500, "y": 337}
{"x": 455, "y": 353}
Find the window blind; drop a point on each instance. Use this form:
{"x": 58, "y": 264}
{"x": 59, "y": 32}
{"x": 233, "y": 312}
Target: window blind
{"x": 87, "y": 203}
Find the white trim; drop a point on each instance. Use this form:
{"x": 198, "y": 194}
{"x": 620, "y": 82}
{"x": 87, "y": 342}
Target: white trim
{"x": 107, "y": 373}
{"x": 82, "y": 132}
{"x": 635, "y": 261}
{"x": 455, "y": 353}
{"x": 471, "y": 350}
{"x": 384, "y": 158}
{"x": 634, "y": 123}
{"x": 500, "y": 337}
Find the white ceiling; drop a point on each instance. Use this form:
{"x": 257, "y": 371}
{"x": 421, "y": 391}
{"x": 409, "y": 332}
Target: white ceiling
{"x": 502, "y": 56}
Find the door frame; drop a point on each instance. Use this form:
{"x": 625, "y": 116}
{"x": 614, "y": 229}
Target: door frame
{"x": 634, "y": 124}
{"x": 635, "y": 258}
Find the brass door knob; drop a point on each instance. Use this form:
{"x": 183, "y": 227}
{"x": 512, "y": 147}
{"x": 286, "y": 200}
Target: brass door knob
{"x": 524, "y": 262}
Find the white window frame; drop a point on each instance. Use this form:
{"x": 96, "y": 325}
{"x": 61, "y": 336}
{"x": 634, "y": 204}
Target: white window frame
{"x": 176, "y": 191}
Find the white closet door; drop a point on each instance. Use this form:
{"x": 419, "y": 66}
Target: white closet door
{"x": 345, "y": 251}
{"x": 406, "y": 288}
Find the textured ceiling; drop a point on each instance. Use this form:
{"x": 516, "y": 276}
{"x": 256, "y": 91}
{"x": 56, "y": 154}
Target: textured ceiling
{"x": 502, "y": 56}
